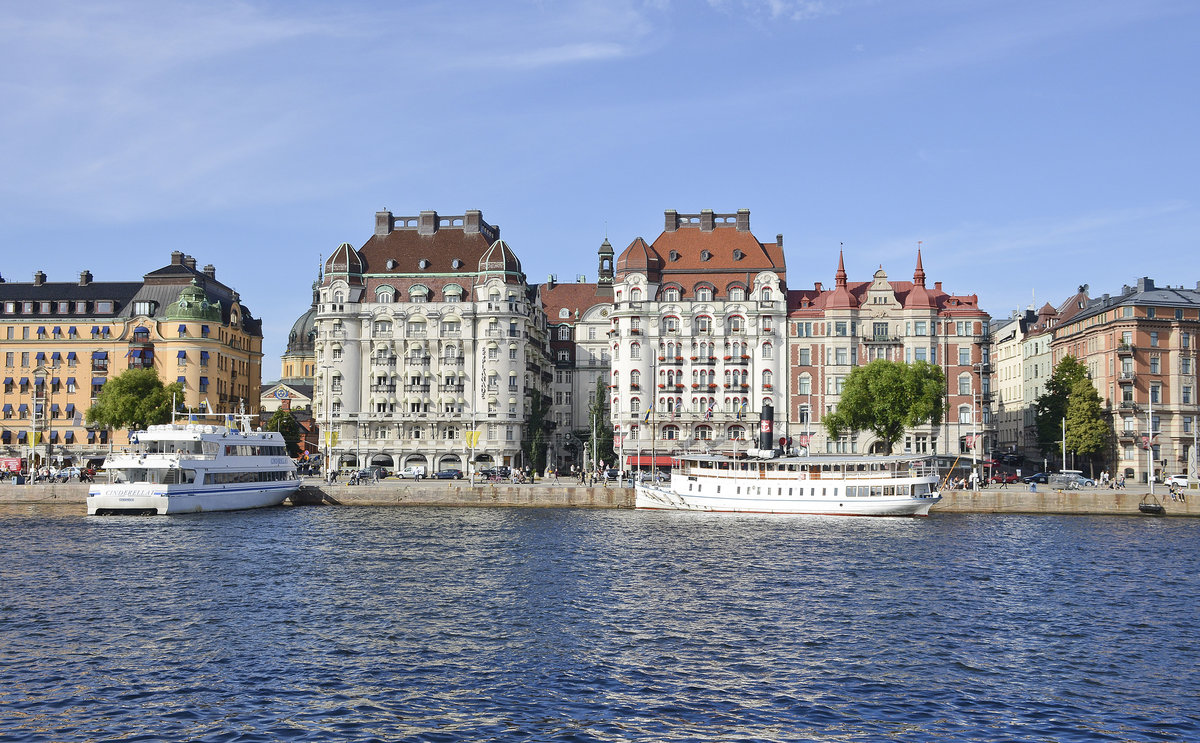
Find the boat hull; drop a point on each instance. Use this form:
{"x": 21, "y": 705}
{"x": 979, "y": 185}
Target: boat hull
{"x": 149, "y": 498}
{"x": 662, "y": 499}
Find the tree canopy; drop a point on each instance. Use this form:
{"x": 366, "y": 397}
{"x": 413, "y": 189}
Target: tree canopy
{"x": 598, "y": 410}
{"x": 1051, "y": 406}
{"x": 1087, "y": 430}
{"x": 285, "y": 423}
{"x": 538, "y": 428}
{"x": 888, "y": 398}
{"x": 134, "y": 399}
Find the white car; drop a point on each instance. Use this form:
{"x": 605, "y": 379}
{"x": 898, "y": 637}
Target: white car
{"x": 1180, "y": 480}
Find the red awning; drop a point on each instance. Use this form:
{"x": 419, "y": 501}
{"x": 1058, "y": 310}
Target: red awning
{"x": 662, "y": 460}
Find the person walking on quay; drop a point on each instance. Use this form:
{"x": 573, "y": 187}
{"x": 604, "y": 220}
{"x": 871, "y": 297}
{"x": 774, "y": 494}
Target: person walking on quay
{"x": 1004, "y": 483}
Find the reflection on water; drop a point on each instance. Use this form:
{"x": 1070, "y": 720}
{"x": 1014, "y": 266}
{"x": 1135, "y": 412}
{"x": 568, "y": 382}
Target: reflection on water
{"x": 545, "y": 624}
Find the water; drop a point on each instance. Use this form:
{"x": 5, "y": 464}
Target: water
{"x": 568, "y": 625}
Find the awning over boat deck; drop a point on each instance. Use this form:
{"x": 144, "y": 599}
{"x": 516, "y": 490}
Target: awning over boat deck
{"x": 642, "y": 460}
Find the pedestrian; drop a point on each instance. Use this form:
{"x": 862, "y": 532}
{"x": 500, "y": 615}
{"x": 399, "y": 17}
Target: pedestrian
{"x": 1003, "y": 483}
{"x": 554, "y": 471}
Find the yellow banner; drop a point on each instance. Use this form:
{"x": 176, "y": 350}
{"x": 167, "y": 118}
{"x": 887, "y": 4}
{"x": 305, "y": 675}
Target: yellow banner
{"x": 472, "y": 438}
{"x": 331, "y": 438}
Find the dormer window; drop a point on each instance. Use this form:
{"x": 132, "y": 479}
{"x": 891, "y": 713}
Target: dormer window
{"x": 423, "y": 263}
{"x": 673, "y": 255}
{"x": 738, "y": 255}
{"x": 456, "y": 263}
{"x": 705, "y": 255}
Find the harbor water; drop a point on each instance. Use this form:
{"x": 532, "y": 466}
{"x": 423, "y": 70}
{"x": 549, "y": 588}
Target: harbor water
{"x": 473, "y": 624}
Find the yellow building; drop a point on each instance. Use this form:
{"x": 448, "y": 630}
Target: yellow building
{"x": 63, "y": 340}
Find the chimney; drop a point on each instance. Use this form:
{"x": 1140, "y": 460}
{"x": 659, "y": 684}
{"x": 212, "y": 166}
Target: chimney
{"x": 743, "y": 220}
{"x": 190, "y": 262}
{"x": 383, "y": 223}
{"x": 671, "y": 218}
{"x": 937, "y": 286}
{"x": 427, "y": 223}
{"x": 581, "y": 278}
{"x": 471, "y": 221}
{"x": 176, "y": 258}
{"x": 1145, "y": 284}
{"x": 85, "y": 278}
{"x": 817, "y": 285}
{"x": 210, "y": 271}
{"x": 39, "y": 278}
{"x": 779, "y": 239}
{"x": 551, "y": 280}
{"x": 706, "y": 220}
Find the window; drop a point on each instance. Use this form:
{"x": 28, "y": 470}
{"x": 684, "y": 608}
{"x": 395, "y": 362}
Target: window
{"x": 382, "y": 328}
{"x": 1156, "y": 392}
{"x": 964, "y": 355}
{"x": 964, "y": 414}
{"x": 1154, "y": 365}
{"x": 1186, "y": 393}
{"x": 1185, "y": 339}
{"x": 736, "y": 324}
{"x": 704, "y": 325}
{"x": 671, "y": 294}
{"x": 671, "y": 324}
{"x": 919, "y": 328}
{"x": 1185, "y": 366}
{"x": 704, "y": 293}
{"x": 768, "y": 351}
{"x": 841, "y": 356}
{"x": 1154, "y": 338}
{"x": 804, "y": 357}
{"x": 1127, "y": 337}
{"x": 805, "y": 385}
{"x": 564, "y": 333}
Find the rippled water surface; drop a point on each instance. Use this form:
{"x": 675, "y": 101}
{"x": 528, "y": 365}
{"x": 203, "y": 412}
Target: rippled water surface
{"x": 515, "y": 624}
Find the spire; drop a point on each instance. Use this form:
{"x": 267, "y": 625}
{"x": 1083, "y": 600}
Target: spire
{"x": 840, "y": 276}
{"x": 919, "y": 274}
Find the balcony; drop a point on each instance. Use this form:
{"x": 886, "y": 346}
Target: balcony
{"x": 1124, "y": 350}
{"x": 742, "y": 360}
{"x": 383, "y": 388}
{"x": 881, "y": 340}
{"x": 1128, "y": 405}
{"x": 670, "y": 360}
{"x": 704, "y": 360}
{"x": 423, "y": 388}
{"x": 1127, "y": 436}
{"x": 1126, "y": 377}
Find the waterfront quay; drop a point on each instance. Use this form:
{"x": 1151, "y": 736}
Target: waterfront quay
{"x": 1094, "y": 501}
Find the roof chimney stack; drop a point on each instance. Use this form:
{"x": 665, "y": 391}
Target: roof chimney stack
{"x": 190, "y": 262}
{"x": 427, "y": 223}
{"x": 176, "y": 258}
{"x": 671, "y": 220}
{"x": 211, "y": 271}
{"x": 743, "y": 220}
{"x": 383, "y": 223}
{"x": 85, "y": 277}
{"x": 39, "y": 278}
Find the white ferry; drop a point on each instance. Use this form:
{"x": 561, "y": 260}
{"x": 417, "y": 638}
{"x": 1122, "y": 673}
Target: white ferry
{"x": 850, "y": 485}
{"x": 193, "y": 467}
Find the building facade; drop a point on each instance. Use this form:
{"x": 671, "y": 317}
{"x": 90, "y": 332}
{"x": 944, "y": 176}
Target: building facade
{"x": 62, "y": 341}
{"x": 833, "y": 331}
{"x": 430, "y": 345}
{"x": 695, "y": 336}
{"x": 1140, "y": 352}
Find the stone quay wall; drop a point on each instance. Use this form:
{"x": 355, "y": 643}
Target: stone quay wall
{"x": 564, "y": 495}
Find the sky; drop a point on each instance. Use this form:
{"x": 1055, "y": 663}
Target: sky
{"x": 1027, "y": 147}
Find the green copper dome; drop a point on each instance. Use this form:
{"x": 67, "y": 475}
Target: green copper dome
{"x": 193, "y": 304}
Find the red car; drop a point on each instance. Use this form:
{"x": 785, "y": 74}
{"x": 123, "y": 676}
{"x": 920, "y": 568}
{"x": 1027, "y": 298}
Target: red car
{"x": 1008, "y": 477}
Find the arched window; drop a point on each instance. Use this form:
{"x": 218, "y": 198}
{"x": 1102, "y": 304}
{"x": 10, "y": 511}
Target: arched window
{"x": 768, "y": 351}
{"x": 737, "y": 433}
{"x": 385, "y": 294}
{"x": 737, "y": 294}
{"x": 564, "y": 333}
{"x": 635, "y": 294}
{"x": 703, "y": 433}
{"x": 635, "y": 379}
{"x": 964, "y": 414}
{"x": 704, "y": 324}
{"x": 767, "y": 379}
{"x": 766, "y": 294}
{"x": 670, "y": 294}
{"x": 670, "y": 433}
{"x": 635, "y": 405}
{"x": 635, "y": 350}
{"x": 704, "y": 293}
{"x": 805, "y": 385}
{"x": 737, "y": 323}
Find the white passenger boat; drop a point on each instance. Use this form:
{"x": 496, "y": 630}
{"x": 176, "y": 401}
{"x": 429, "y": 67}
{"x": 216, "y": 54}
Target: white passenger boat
{"x": 850, "y": 485}
{"x": 194, "y": 467}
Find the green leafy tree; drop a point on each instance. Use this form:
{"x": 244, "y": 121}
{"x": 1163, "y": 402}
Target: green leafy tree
{"x": 283, "y": 422}
{"x": 538, "y": 427}
{"x": 888, "y": 398}
{"x": 135, "y": 399}
{"x": 1087, "y": 428}
{"x": 598, "y": 411}
{"x": 1051, "y": 407}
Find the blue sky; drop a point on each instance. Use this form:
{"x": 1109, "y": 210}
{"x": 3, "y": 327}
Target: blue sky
{"x": 1031, "y": 146}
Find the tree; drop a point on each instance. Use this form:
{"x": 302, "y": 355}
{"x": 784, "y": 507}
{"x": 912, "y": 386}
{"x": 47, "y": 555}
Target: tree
{"x": 602, "y": 430}
{"x": 888, "y": 398}
{"x": 1051, "y": 407}
{"x": 283, "y": 422}
{"x": 135, "y": 399}
{"x": 538, "y": 425}
{"x": 1087, "y": 429}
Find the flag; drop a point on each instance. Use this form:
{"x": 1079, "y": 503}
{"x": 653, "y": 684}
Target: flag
{"x": 649, "y": 410}
{"x": 708, "y": 413}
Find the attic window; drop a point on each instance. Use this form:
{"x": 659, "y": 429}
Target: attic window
{"x": 705, "y": 255}
{"x": 738, "y": 255}
{"x": 673, "y": 255}
{"x": 564, "y": 312}
{"x": 423, "y": 263}
{"x": 391, "y": 263}
{"x": 456, "y": 263}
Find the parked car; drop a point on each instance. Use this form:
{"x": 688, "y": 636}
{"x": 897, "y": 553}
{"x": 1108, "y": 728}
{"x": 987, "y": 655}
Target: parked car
{"x": 1072, "y": 479}
{"x": 1041, "y": 477}
{"x": 415, "y": 472}
{"x": 1180, "y": 480}
{"x": 449, "y": 475}
{"x": 501, "y": 471}
{"x": 1006, "y": 477}
{"x": 373, "y": 468}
